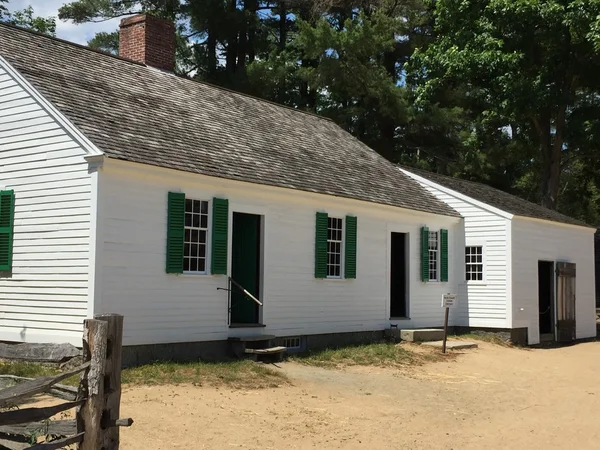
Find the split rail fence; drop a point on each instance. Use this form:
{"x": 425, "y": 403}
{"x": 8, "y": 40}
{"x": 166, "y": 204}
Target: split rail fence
{"x": 97, "y": 399}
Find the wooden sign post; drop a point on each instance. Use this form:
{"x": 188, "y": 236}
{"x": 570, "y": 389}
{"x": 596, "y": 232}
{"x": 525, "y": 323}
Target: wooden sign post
{"x": 448, "y": 301}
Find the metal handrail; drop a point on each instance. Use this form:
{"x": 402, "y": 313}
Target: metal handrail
{"x": 248, "y": 294}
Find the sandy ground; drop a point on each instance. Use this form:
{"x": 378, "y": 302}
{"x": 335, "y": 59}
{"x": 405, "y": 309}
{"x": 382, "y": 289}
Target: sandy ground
{"x": 489, "y": 398}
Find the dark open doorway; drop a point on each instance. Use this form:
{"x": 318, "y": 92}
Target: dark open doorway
{"x": 398, "y": 276}
{"x": 245, "y": 267}
{"x": 546, "y": 299}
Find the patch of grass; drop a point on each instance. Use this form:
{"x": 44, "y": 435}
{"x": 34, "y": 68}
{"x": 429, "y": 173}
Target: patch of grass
{"x": 237, "y": 374}
{"x": 382, "y": 354}
{"x": 34, "y": 370}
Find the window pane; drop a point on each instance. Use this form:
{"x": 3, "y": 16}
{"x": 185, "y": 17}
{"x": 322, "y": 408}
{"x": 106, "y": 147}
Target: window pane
{"x": 188, "y": 235}
{"x": 186, "y": 264}
{"x": 204, "y": 208}
{"x": 194, "y": 235}
{"x": 201, "y": 265}
{"x": 194, "y": 250}
{"x": 204, "y": 221}
{"x": 188, "y": 205}
{"x": 196, "y": 221}
{"x": 194, "y": 265}
{"x": 188, "y": 220}
{"x": 197, "y": 206}
{"x": 202, "y": 237}
{"x": 186, "y": 250}
{"x": 202, "y": 250}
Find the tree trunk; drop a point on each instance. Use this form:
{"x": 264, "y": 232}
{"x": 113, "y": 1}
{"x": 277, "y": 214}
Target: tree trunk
{"x": 251, "y": 8}
{"x": 282, "y": 25}
{"x": 387, "y": 124}
{"x": 231, "y": 54}
{"x": 551, "y": 152}
{"x": 211, "y": 49}
{"x": 242, "y": 44}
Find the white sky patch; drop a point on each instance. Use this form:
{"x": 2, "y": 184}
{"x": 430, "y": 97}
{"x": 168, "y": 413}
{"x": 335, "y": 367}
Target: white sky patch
{"x": 69, "y": 31}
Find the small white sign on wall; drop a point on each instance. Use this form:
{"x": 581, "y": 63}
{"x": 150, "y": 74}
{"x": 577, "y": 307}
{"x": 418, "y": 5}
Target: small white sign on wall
{"x": 449, "y": 300}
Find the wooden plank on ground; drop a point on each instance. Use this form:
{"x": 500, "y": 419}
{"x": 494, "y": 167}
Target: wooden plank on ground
{"x": 53, "y": 427}
{"x": 38, "y": 352}
{"x": 16, "y": 416}
{"x": 9, "y": 445}
{"x": 16, "y": 394}
{"x": 58, "y": 390}
{"x": 58, "y": 443}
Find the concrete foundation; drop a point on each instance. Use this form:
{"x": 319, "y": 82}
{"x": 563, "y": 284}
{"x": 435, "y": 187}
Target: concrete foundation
{"x": 135, "y": 355}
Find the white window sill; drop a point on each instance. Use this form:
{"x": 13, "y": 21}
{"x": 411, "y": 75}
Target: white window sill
{"x": 195, "y": 274}
{"x": 335, "y": 279}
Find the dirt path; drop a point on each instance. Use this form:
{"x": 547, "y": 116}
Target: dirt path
{"x": 492, "y": 398}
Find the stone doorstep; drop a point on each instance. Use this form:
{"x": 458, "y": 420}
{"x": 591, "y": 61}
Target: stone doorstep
{"x": 451, "y": 345}
{"x": 265, "y": 351}
{"x": 422, "y": 334}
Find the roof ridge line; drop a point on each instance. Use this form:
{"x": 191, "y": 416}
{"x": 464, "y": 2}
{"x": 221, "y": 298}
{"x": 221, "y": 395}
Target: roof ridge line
{"x": 181, "y": 77}
{"x": 74, "y": 44}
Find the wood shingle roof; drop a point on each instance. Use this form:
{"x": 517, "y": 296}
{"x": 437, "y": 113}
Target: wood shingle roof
{"x": 137, "y": 113}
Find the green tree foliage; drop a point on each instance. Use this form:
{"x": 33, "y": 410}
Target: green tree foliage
{"x": 499, "y": 91}
{"x": 105, "y": 42}
{"x": 529, "y": 64}
{"x": 26, "y": 18}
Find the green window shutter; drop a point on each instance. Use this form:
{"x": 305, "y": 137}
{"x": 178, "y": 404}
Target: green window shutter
{"x": 7, "y": 217}
{"x": 444, "y": 255}
{"x": 424, "y": 254}
{"x": 220, "y": 222}
{"x": 175, "y": 232}
{"x": 321, "y": 245}
{"x": 350, "y": 261}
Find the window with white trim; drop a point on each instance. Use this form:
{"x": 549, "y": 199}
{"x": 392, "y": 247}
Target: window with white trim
{"x": 196, "y": 236}
{"x": 434, "y": 250}
{"x": 474, "y": 263}
{"x": 334, "y": 247}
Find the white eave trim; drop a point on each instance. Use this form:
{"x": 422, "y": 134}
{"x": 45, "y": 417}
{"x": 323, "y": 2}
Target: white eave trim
{"x": 458, "y": 195}
{"x": 559, "y": 224}
{"x": 68, "y": 126}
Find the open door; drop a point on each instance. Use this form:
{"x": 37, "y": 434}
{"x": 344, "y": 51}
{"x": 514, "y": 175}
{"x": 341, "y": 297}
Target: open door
{"x": 245, "y": 268}
{"x": 565, "y": 305}
{"x": 398, "y": 276}
{"x": 546, "y": 300}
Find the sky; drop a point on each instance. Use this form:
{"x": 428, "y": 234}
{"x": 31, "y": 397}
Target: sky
{"x": 64, "y": 30}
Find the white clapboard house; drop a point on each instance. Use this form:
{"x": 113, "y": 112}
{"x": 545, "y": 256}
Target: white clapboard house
{"x": 527, "y": 268}
{"x": 127, "y": 189}
{"x": 202, "y": 214}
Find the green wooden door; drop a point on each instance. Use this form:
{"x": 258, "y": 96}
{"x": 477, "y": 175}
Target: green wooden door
{"x": 245, "y": 267}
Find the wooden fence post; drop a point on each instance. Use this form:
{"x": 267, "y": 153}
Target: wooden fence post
{"x": 112, "y": 380}
{"x": 89, "y": 415}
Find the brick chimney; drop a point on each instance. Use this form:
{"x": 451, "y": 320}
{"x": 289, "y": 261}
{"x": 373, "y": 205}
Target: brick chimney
{"x": 149, "y": 40}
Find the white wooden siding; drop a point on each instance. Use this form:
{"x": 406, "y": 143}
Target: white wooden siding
{"x": 537, "y": 240}
{"x": 45, "y": 299}
{"x": 487, "y": 303}
{"x": 161, "y": 308}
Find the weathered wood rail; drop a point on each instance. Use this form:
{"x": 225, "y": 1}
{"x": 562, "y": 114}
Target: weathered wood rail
{"x": 96, "y": 424}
